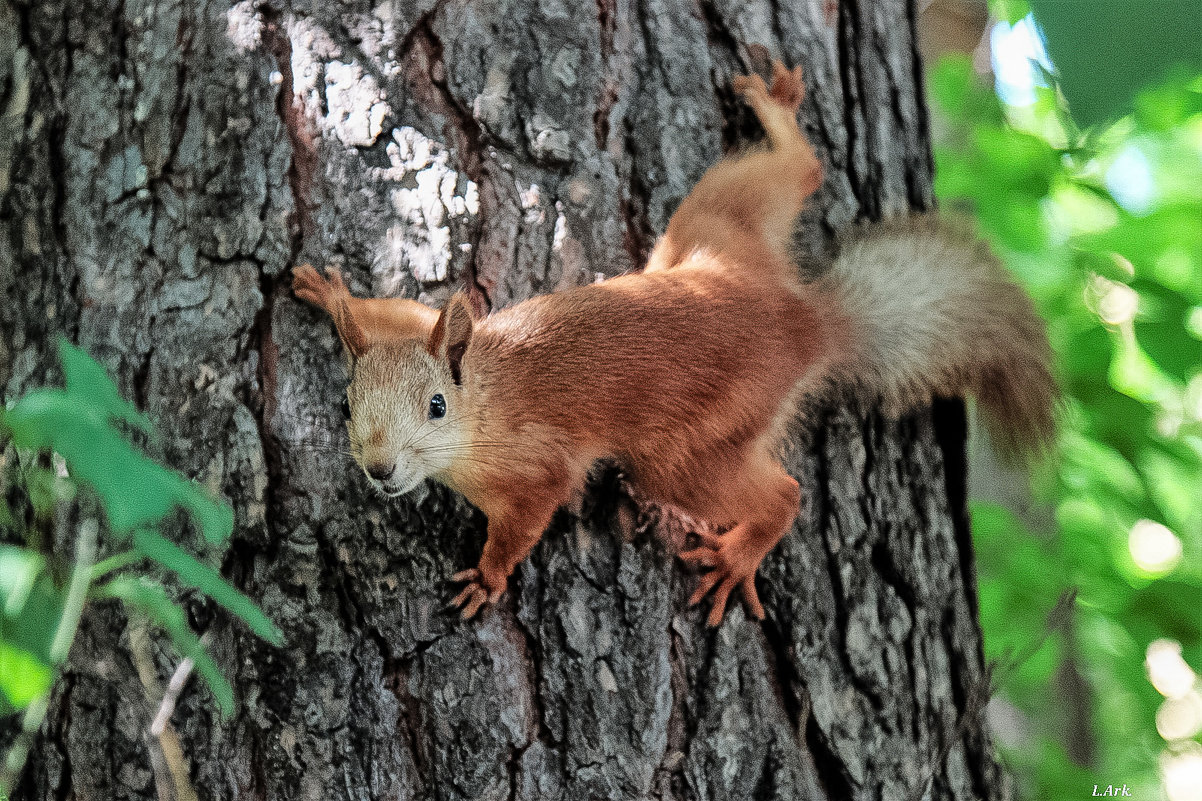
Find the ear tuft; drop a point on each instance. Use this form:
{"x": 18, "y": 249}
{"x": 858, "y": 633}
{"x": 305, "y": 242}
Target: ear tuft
{"x": 453, "y": 333}
{"x": 353, "y": 337}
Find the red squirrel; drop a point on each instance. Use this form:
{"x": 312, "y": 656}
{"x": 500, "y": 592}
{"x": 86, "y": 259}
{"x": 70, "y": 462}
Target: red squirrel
{"x": 687, "y": 372}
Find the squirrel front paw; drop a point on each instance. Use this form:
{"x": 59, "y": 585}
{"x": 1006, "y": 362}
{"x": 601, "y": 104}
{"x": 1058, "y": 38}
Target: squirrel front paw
{"x": 310, "y": 286}
{"x": 787, "y": 90}
{"x": 478, "y": 592}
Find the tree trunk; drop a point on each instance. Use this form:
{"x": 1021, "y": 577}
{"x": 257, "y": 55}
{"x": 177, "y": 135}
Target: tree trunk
{"x": 164, "y": 163}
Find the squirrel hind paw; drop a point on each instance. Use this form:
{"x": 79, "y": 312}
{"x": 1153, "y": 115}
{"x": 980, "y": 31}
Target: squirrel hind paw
{"x": 731, "y": 567}
{"x": 749, "y": 85}
{"x": 788, "y": 89}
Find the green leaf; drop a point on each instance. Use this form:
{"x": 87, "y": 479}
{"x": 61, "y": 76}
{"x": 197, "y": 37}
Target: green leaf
{"x": 1156, "y": 243}
{"x": 1168, "y": 104}
{"x": 151, "y": 600}
{"x": 951, "y": 81}
{"x": 955, "y": 176}
{"x": 1173, "y": 605}
{"x": 1135, "y": 374}
{"x": 19, "y": 570}
{"x": 134, "y": 490}
{"x": 1118, "y": 420}
{"x": 90, "y": 386}
{"x": 1174, "y": 478}
{"x": 1089, "y": 464}
{"x": 1087, "y": 354}
{"x": 1048, "y": 277}
{"x": 1019, "y": 160}
{"x": 960, "y": 92}
{"x": 34, "y": 628}
{"x": 1084, "y": 210}
{"x": 1017, "y": 221}
{"x": 196, "y": 574}
{"x": 23, "y": 678}
{"x": 1107, "y": 265}
{"x": 1162, "y": 330}
{"x": 1010, "y": 10}
{"x": 47, "y": 490}
{"x": 1107, "y": 51}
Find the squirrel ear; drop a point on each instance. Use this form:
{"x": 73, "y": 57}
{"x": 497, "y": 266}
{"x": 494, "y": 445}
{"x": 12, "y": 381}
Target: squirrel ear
{"x": 353, "y": 337}
{"x": 452, "y": 333}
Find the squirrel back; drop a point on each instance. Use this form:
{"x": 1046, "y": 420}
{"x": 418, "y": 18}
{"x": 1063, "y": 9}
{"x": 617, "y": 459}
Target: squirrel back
{"x": 646, "y": 368}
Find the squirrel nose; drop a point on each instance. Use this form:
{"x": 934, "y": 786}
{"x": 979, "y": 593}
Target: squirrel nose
{"x": 381, "y": 472}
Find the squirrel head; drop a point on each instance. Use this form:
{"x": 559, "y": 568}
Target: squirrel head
{"x": 408, "y": 415}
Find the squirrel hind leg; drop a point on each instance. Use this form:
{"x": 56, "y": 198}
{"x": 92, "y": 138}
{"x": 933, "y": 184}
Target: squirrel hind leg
{"x": 764, "y": 500}
{"x": 776, "y": 107}
{"x": 752, "y": 199}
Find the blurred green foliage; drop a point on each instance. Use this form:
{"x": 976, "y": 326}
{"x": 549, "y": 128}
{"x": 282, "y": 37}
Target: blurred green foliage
{"x": 1106, "y": 51}
{"x": 1103, "y": 226}
{"x": 86, "y": 427}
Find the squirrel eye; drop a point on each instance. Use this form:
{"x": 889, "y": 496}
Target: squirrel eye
{"x": 346, "y": 407}
{"x": 438, "y": 407}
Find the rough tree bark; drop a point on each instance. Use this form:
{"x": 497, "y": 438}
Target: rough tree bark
{"x": 162, "y": 166}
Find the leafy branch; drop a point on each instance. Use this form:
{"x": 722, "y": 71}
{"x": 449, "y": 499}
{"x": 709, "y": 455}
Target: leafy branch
{"x": 84, "y": 430}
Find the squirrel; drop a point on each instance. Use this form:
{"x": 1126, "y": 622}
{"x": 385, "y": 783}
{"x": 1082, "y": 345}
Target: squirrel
{"x": 688, "y": 372}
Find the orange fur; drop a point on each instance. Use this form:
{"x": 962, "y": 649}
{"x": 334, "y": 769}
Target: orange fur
{"x": 685, "y": 373}
{"x": 378, "y": 321}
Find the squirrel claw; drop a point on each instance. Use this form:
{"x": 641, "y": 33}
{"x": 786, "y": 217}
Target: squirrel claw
{"x": 730, "y": 568}
{"x": 307, "y": 284}
{"x": 472, "y": 598}
{"x": 725, "y": 583}
{"x": 747, "y": 85}
{"x": 787, "y": 90}
{"x": 787, "y": 87}
{"x": 704, "y": 557}
{"x": 310, "y": 286}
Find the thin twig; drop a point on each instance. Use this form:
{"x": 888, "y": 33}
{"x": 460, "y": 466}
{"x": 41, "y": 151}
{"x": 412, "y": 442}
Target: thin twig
{"x": 171, "y": 770}
{"x": 178, "y": 680}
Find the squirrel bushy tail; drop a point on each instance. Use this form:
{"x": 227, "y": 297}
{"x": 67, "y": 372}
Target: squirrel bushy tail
{"x": 924, "y": 310}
